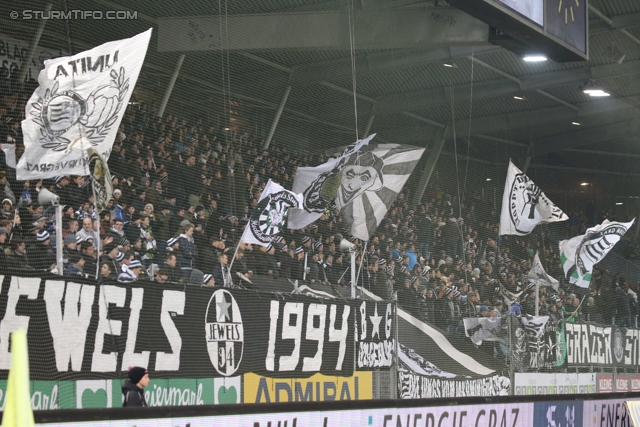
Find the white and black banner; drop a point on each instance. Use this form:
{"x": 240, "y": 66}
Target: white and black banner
{"x": 78, "y": 329}
{"x": 536, "y": 344}
{"x": 79, "y": 103}
{"x": 583, "y": 252}
{"x": 588, "y": 344}
{"x": 524, "y": 205}
{"x": 270, "y": 214}
{"x": 414, "y": 386}
{"x": 375, "y": 335}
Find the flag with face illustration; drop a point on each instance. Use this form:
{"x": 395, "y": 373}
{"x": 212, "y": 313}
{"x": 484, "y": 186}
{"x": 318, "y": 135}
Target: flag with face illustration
{"x": 587, "y": 250}
{"x": 362, "y": 185}
{"x": 79, "y": 103}
{"x": 524, "y": 205}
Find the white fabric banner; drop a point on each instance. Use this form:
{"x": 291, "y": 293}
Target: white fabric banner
{"x": 524, "y": 205}
{"x": 585, "y": 251}
{"x": 270, "y": 214}
{"x": 79, "y": 103}
{"x": 539, "y": 276}
{"x": 480, "y": 329}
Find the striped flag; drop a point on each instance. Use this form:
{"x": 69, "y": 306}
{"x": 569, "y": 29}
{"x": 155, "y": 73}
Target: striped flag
{"x": 583, "y": 252}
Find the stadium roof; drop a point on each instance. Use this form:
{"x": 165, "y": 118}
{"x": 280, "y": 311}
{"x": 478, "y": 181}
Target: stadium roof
{"x": 489, "y": 104}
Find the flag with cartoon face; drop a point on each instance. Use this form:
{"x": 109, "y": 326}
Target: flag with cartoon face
{"x": 79, "y": 103}
{"x": 362, "y": 184}
{"x": 524, "y": 205}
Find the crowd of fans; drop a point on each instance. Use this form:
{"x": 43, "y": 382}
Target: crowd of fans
{"x": 183, "y": 192}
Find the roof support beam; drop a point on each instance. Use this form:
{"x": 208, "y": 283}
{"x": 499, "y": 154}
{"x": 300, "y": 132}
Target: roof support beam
{"x": 432, "y": 160}
{"x": 374, "y": 29}
{"x": 582, "y": 137}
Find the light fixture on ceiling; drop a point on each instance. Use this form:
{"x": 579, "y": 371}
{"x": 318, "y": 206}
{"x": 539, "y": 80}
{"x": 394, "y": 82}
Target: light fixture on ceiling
{"x": 520, "y": 98}
{"x": 227, "y": 128}
{"x": 619, "y": 203}
{"x": 584, "y": 184}
{"x": 534, "y": 58}
{"x": 591, "y": 88}
{"x": 488, "y": 179}
{"x": 576, "y": 123}
{"x": 450, "y": 64}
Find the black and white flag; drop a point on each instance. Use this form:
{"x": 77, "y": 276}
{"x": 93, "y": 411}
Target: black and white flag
{"x": 79, "y": 104}
{"x": 524, "y": 205}
{"x": 537, "y": 274}
{"x": 100, "y": 179}
{"x": 270, "y": 214}
{"x": 362, "y": 183}
{"x": 587, "y": 250}
{"x": 534, "y": 325}
{"x": 481, "y": 329}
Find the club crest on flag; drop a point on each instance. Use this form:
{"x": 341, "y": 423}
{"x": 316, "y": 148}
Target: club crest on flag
{"x": 524, "y": 205}
{"x": 272, "y": 215}
{"x": 57, "y": 112}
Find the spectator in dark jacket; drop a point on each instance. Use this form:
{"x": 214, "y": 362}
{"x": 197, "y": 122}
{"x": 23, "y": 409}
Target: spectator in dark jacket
{"x": 188, "y": 250}
{"x": 132, "y": 389}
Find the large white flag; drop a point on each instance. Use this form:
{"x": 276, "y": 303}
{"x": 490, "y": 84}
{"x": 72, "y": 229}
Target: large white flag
{"x": 524, "y": 205}
{"x": 585, "y": 251}
{"x": 310, "y": 182}
{"x": 78, "y": 104}
{"x": 539, "y": 276}
{"x": 269, "y": 216}
{"x": 362, "y": 184}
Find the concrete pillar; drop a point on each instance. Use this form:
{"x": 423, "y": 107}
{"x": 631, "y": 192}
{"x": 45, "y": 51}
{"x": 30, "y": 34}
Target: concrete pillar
{"x": 172, "y": 81}
{"x": 32, "y": 47}
{"x": 434, "y": 155}
{"x": 276, "y": 119}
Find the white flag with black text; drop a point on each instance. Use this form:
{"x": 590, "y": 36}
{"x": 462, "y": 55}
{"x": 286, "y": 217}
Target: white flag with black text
{"x": 269, "y": 216}
{"x": 524, "y": 205}
{"x": 539, "y": 276}
{"x": 79, "y": 103}
{"x": 585, "y": 251}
